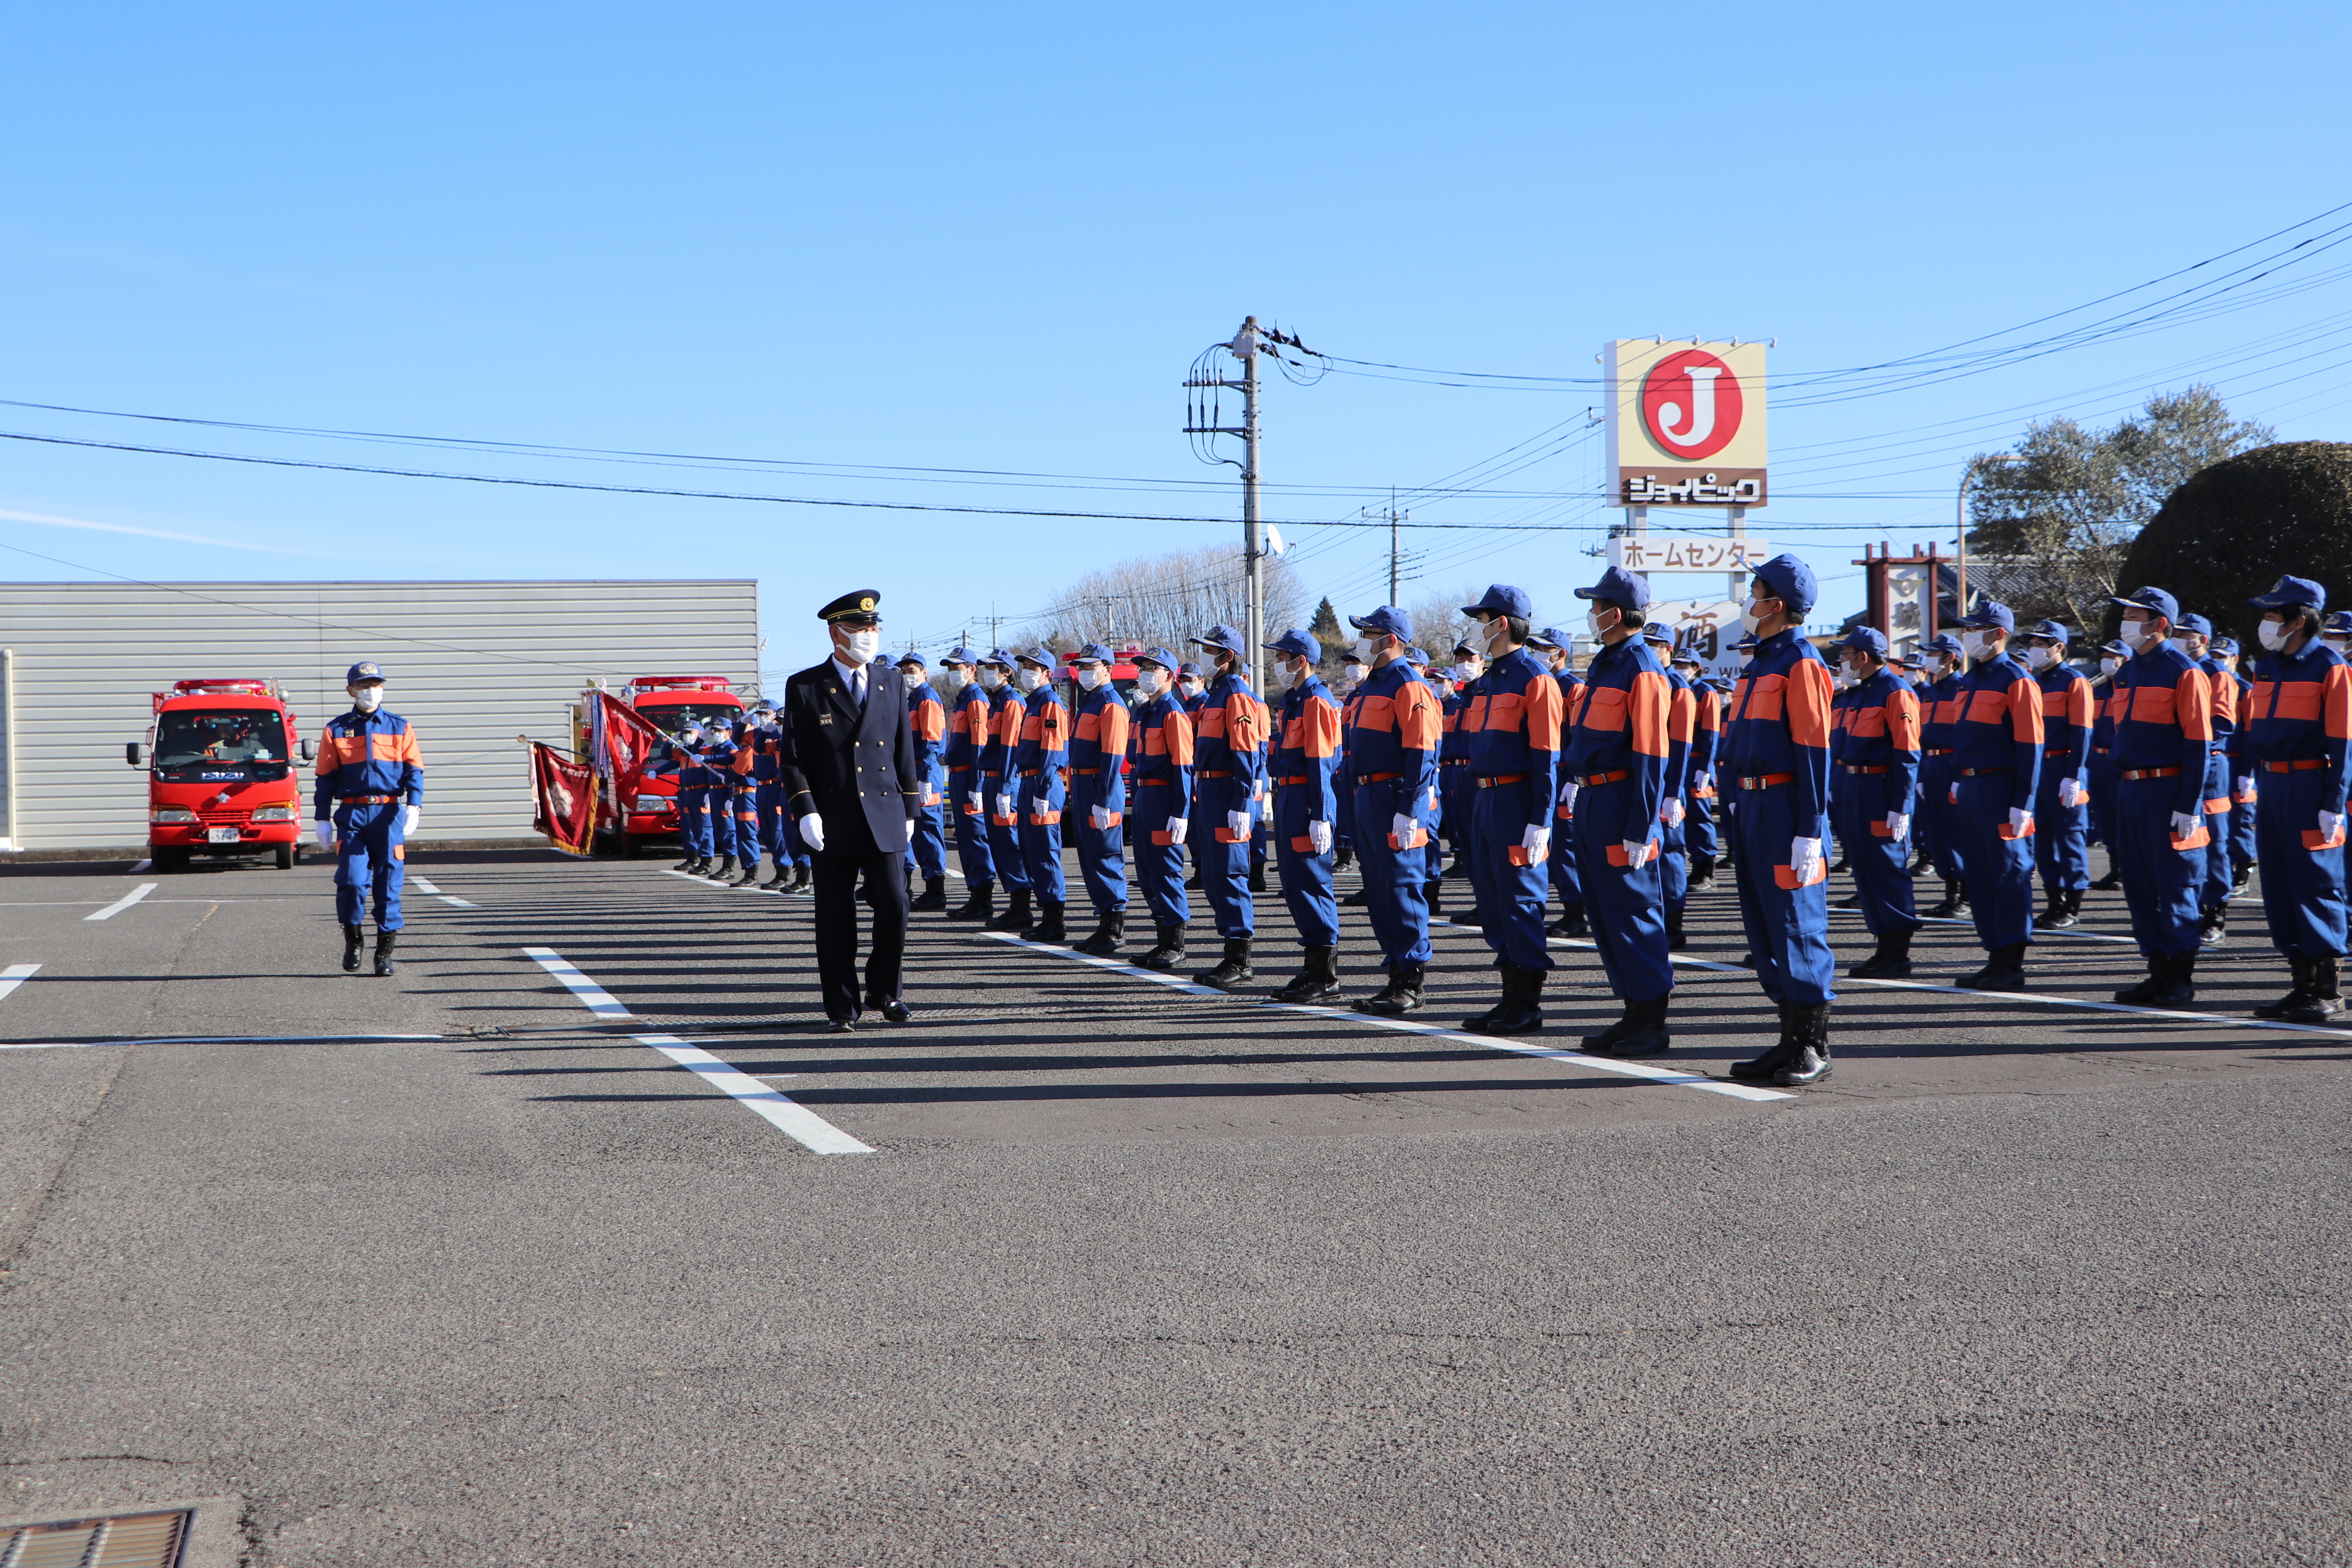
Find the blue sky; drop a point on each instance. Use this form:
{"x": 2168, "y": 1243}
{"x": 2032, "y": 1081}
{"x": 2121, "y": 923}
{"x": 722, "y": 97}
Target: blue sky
{"x": 994, "y": 238}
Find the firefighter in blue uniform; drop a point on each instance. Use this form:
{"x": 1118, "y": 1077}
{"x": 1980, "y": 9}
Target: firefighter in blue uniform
{"x": 1880, "y": 760}
{"x": 1228, "y": 762}
{"x": 1700, "y": 794}
{"x": 718, "y": 769}
{"x": 1433, "y": 853}
{"x": 768, "y": 795}
{"x": 2338, "y": 633}
{"x": 2245, "y": 788}
{"x": 1392, "y": 738}
{"x": 2164, "y": 740}
{"x": 1454, "y": 696}
{"x": 2104, "y": 693}
{"x": 997, "y": 781}
{"x": 1305, "y": 751}
{"x": 1553, "y": 647}
{"x": 1511, "y": 732}
{"x": 927, "y": 852}
{"x": 1616, "y": 754}
{"x": 1038, "y": 783}
{"x": 2193, "y": 631}
{"x": 1162, "y": 808}
{"x": 741, "y": 789}
{"x": 2296, "y": 724}
{"x": 1996, "y": 775}
{"x": 369, "y": 796}
{"x": 1674, "y": 812}
{"x": 1940, "y": 701}
{"x": 1776, "y": 760}
{"x": 969, "y": 714}
{"x": 2062, "y": 803}
{"x": 1097, "y": 810}
{"x": 694, "y": 780}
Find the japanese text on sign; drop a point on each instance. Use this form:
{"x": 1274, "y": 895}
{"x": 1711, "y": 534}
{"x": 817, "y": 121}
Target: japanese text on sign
{"x": 1704, "y": 489}
{"x": 1638, "y": 552}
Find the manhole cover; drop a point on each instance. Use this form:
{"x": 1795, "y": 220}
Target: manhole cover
{"x": 128, "y": 1540}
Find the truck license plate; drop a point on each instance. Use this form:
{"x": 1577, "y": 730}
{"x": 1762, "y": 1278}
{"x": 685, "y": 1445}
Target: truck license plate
{"x": 223, "y": 835}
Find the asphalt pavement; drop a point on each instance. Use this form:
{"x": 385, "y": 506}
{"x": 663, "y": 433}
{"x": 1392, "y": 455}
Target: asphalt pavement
{"x": 577, "y": 1242}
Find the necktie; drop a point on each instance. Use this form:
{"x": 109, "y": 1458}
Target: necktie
{"x": 857, "y": 691}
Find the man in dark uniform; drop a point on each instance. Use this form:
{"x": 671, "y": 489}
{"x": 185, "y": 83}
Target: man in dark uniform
{"x": 2062, "y": 802}
{"x": 928, "y": 716}
{"x": 2245, "y": 790}
{"x": 1552, "y": 646}
{"x": 850, "y": 772}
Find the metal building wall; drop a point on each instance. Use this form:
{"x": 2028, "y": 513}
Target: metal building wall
{"x": 471, "y": 665}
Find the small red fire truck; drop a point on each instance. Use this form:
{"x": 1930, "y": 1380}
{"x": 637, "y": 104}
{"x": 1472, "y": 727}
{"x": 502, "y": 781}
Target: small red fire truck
{"x": 222, "y": 773}
{"x": 669, "y": 702}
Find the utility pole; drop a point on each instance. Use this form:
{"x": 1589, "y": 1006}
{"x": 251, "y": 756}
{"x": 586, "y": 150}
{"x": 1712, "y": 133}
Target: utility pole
{"x": 1394, "y": 519}
{"x": 1202, "y": 417}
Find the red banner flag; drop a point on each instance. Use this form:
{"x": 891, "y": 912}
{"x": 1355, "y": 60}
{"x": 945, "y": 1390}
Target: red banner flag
{"x": 562, "y": 800}
{"x": 621, "y": 741}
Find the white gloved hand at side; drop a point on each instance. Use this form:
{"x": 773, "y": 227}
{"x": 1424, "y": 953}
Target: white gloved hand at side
{"x": 1671, "y": 815}
{"x": 2331, "y": 824}
{"x": 1637, "y": 852}
{"x": 1536, "y": 842}
{"x": 1099, "y": 818}
{"x": 2185, "y": 823}
{"x": 1568, "y": 797}
{"x": 1318, "y": 836}
{"x": 2021, "y": 821}
{"x": 910, "y": 830}
{"x": 813, "y": 830}
{"x": 409, "y": 817}
{"x": 2071, "y": 792}
{"x": 2245, "y": 785}
{"x": 1237, "y": 823}
{"x": 1408, "y": 834}
{"x": 1804, "y": 859}
{"x": 326, "y": 831}
{"x": 1004, "y": 804}
{"x": 1176, "y": 827}
{"x": 1898, "y": 825}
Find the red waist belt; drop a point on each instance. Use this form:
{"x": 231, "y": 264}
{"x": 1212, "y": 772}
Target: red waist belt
{"x": 954, "y": 769}
{"x": 1980, "y": 773}
{"x": 393, "y": 799}
{"x": 1085, "y": 773}
{"x": 2151, "y": 772}
{"x": 1491, "y": 779}
{"x": 1858, "y": 768}
{"x": 1206, "y": 774}
{"x": 2304, "y": 767}
{"x": 1376, "y": 778}
{"x": 1301, "y": 779}
{"x": 1765, "y": 781}
{"x": 1939, "y": 751}
{"x": 1589, "y": 780}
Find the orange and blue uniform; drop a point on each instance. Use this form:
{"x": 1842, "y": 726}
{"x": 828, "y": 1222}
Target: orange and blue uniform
{"x": 1511, "y": 732}
{"x": 1041, "y": 757}
{"x": 1616, "y": 754}
{"x": 1997, "y": 769}
{"x": 1393, "y": 732}
{"x": 966, "y": 739}
{"x": 1565, "y": 880}
{"x": 997, "y": 779}
{"x": 2219, "y": 807}
{"x": 369, "y": 773}
{"x": 2245, "y": 789}
{"x": 1163, "y": 793}
{"x": 1939, "y": 720}
{"x": 2062, "y": 834}
{"x": 1878, "y": 764}
{"x": 1229, "y": 759}
{"x": 928, "y": 717}
{"x": 2164, "y": 740}
{"x": 1305, "y": 756}
{"x": 2297, "y": 719}
{"x": 1706, "y": 742}
{"x": 1776, "y": 760}
{"x": 1097, "y": 752}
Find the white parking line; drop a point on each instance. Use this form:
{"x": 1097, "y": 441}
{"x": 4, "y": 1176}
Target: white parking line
{"x": 1434, "y": 1031}
{"x": 124, "y": 903}
{"x": 207, "y": 1040}
{"x": 720, "y": 887}
{"x": 422, "y": 885}
{"x": 788, "y": 1116}
{"x": 139, "y": 865}
{"x": 15, "y": 975}
{"x": 461, "y": 903}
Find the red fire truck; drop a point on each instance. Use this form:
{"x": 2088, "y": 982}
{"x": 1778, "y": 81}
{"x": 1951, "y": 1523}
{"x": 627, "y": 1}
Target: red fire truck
{"x": 669, "y": 702}
{"x": 221, "y": 775}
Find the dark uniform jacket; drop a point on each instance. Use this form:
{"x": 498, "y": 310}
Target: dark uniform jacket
{"x": 857, "y": 771}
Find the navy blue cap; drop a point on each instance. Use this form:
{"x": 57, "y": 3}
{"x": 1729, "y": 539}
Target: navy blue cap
{"x": 1224, "y": 639}
{"x": 2114, "y": 649}
{"x": 1548, "y": 637}
{"x": 1040, "y": 656}
{"x": 2052, "y": 630}
{"x": 1465, "y": 645}
{"x": 1989, "y": 614}
{"x": 1657, "y": 634}
{"x": 1159, "y": 656}
{"x": 365, "y": 669}
{"x": 2341, "y": 621}
{"x": 1944, "y": 643}
{"x": 1297, "y": 642}
{"x": 1619, "y": 587}
{"x": 1791, "y": 582}
{"x": 1685, "y": 655}
{"x": 911, "y": 656}
{"x": 1502, "y": 599}
{"x": 998, "y": 655}
{"x": 1415, "y": 656}
{"x": 1094, "y": 652}
{"x": 1747, "y": 642}
{"x": 718, "y": 721}
{"x": 2225, "y": 645}
{"x": 2290, "y": 593}
{"x": 863, "y": 605}
{"x": 1388, "y": 620}
{"x": 1866, "y": 639}
{"x": 959, "y": 655}
{"x": 2193, "y": 622}
{"x": 2155, "y": 599}
{"x": 1188, "y": 668}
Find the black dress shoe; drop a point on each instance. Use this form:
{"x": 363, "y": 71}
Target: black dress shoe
{"x": 893, "y": 1010}
{"x": 840, "y": 1025}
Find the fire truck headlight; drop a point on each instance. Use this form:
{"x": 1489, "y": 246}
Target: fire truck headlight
{"x": 655, "y": 803}
{"x": 273, "y": 814}
{"x": 170, "y": 814}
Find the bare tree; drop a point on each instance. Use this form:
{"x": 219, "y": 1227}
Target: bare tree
{"x": 1162, "y": 600}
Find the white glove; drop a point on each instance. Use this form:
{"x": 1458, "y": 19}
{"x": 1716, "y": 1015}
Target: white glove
{"x": 1952, "y": 795}
{"x": 2021, "y": 821}
{"x": 2185, "y": 823}
{"x": 1804, "y": 859}
{"x": 2331, "y": 822}
{"x": 910, "y": 830}
{"x": 1318, "y": 836}
{"x": 2071, "y": 792}
{"x": 1408, "y": 834}
{"x": 1177, "y": 827}
{"x": 1099, "y": 818}
{"x": 1673, "y": 814}
{"x": 1898, "y": 825}
{"x": 1568, "y": 797}
{"x": 409, "y": 817}
{"x": 1258, "y": 790}
{"x": 1637, "y": 852}
{"x": 2245, "y": 785}
{"x": 326, "y": 830}
{"x": 1004, "y": 804}
{"x": 1536, "y": 842}
{"x": 1237, "y": 823}
{"x": 813, "y": 830}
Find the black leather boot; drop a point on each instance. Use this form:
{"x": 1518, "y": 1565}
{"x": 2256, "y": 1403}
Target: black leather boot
{"x": 1891, "y": 961}
{"x": 750, "y": 875}
{"x": 2004, "y": 970}
{"x": 1571, "y": 923}
{"x": 1016, "y": 913}
{"x": 2213, "y": 928}
{"x": 354, "y": 937}
{"x": 1602, "y": 1043}
{"x": 1402, "y": 994}
{"x": 2325, "y": 1005}
{"x": 1257, "y": 877}
{"x": 1956, "y": 901}
{"x": 1233, "y": 969}
{"x": 1049, "y": 929}
{"x": 385, "y": 940}
{"x": 2056, "y": 916}
{"x": 1809, "y": 1029}
{"x": 724, "y": 871}
{"x": 978, "y": 904}
{"x": 2243, "y": 876}
{"x": 933, "y": 898}
{"x": 690, "y": 863}
{"x": 2137, "y": 996}
{"x": 2175, "y": 982}
{"x": 800, "y": 883}
{"x": 780, "y": 873}
{"x": 1648, "y": 1035}
{"x": 1676, "y": 941}
{"x": 1359, "y": 899}
{"x": 1702, "y": 873}
{"x": 1318, "y": 981}
{"x": 2296, "y": 998}
{"x": 1167, "y": 954}
{"x": 2110, "y": 882}
{"x": 1520, "y": 1012}
{"x": 1778, "y": 1055}
{"x": 2074, "y": 903}
{"x": 1343, "y": 857}
{"x": 1108, "y": 935}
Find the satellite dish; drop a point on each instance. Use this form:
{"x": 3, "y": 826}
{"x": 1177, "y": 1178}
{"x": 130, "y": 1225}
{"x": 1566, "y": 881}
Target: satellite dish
{"x": 1274, "y": 545}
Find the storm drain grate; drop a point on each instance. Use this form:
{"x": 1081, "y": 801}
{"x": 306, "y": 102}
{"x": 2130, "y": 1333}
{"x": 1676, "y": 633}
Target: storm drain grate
{"x": 128, "y": 1540}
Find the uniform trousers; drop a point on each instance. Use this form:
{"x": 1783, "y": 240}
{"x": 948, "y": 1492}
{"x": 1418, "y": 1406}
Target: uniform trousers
{"x": 1627, "y": 904}
{"x": 694, "y": 819}
{"x": 1396, "y": 901}
{"x": 2101, "y": 775}
{"x": 1698, "y": 827}
{"x": 1942, "y": 818}
{"x": 1565, "y": 880}
{"x": 1003, "y": 834}
{"x": 1510, "y": 898}
{"x": 969, "y": 814}
{"x": 1224, "y": 870}
{"x": 1788, "y": 927}
{"x": 2245, "y": 817}
{"x": 1159, "y": 863}
{"x": 1673, "y": 863}
{"x": 929, "y": 845}
{"x": 1999, "y": 869}
{"x": 2161, "y": 884}
{"x": 743, "y": 808}
{"x": 2303, "y": 885}
{"x": 775, "y": 822}
{"x": 1040, "y": 808}
{"x": 2062, "y": 837}
{"x": 719, "y": 804}
{"x": 1102, "y": 851}
{"x": 836, "y": 885}
{"x": 1878, "y": 860}
{"x": 1305, "y": 875}
{"x": 1455, "y": 783}
{"x": 371, "y": 858}
{"x": 2216, "y": 890}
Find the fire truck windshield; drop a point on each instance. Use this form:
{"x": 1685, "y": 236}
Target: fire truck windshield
{"x": 671, "y": 717}
{"x": 227, "y": 742}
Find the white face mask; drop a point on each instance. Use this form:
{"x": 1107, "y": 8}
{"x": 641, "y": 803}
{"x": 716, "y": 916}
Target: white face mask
{"x": 1365, "y": 652}
{"x": 1151, "y": 682}
{"x": 1028, "y": 680}
{"x": 2140, "y": 634}
{"x": 860, "y": 647}
{"x": 958, "y": 678}
{"x": 991, "y": 678}
{"x": 2184, "y": 645}
{"x": 367, "y": 699}
{"x": 1499, "y": 636}
{"x": 2040, "y": 658}
{"x": 1976, "y": 644}
{"x": 1091, "y": 678}
{"x": 2110, "y": 664}
{"x": 1595, "y": 624}
{"x": 1466, "y": 671}
{"x": 1191, "y": 687}
{"x": 1353, "y": 672}
{"x": 2272, "y": 635}
{"x": 1749, "y": 621}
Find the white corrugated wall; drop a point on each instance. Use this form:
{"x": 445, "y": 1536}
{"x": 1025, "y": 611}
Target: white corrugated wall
{"x": 471, "y": 665}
